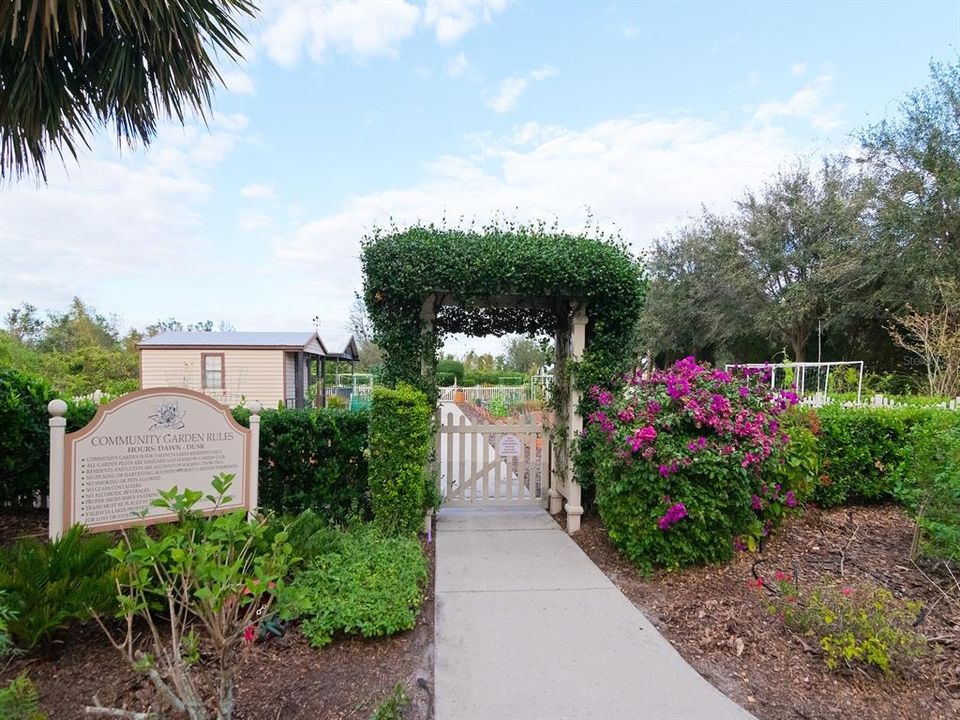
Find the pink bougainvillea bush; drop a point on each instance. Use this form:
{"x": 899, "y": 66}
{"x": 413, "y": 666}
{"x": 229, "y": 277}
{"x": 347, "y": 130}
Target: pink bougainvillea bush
{"x": 695, "y": 463}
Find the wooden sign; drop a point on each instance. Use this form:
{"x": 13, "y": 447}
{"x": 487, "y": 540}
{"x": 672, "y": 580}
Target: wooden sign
{"x": 143, "y": 443}
{"x": 510, "y": 446}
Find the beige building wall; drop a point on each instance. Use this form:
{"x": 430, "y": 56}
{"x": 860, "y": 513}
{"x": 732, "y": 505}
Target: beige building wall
{"x": 247, "y": 374}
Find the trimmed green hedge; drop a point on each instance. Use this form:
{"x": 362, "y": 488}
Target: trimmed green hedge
{"x": 401, "y": 435}
{"x": 25, "y": 436}
{"x": 308, "y": 458}
{"x": 863, "y": 450}
{"x": 313, "y": 458}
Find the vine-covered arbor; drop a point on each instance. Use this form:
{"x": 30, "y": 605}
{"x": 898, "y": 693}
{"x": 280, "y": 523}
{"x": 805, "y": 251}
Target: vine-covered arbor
{"x": 424, "y": 282}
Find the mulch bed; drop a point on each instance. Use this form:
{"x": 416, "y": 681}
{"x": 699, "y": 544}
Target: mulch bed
{"x": 279, "y": 678}
{"x": 705, "y": 611}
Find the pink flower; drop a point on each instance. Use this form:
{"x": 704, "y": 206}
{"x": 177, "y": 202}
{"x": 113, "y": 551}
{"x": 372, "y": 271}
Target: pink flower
{"x": 847, "y": 591}
{"x": 249, "y": 634}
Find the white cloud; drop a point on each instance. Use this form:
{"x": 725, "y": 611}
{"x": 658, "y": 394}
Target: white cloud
{"x": 510, "y": 89}
{"x": 452, "y": 19}
{"x": 458, "y": 65}
{"x": 254, "y": 221}
{"x": 259, "y": 191}
{"x": 639, "y": 174}
{"x": 365, "y": 28}
{"x": 809, "y": 103}
{"x": 356, "y": 28}
{"x": 135, "y": 217}
{"x": 798, "y": 69}
{"x": 237, "y": 81}
{"x": 507, "y": 95}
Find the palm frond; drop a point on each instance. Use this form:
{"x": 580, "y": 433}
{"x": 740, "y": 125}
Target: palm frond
{"x": 69, "y": 67}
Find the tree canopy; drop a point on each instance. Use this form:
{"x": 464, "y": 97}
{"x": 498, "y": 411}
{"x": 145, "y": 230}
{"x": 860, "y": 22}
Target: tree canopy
{"x": 847, "y": 245}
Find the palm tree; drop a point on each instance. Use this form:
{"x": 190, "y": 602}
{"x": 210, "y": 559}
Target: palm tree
{"x": 69, "y": 66}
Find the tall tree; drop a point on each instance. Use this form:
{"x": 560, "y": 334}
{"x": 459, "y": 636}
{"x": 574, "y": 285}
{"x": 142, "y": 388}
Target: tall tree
{"x": 25, "y": 324}
{"x": 67, "y": 67}
{"x": 799, "y": 235}
{"x": 915, "y": 158}
{"x": 523, "y": 354}
{"x": 80, "y": 326}
{"x": 701, "y": 289}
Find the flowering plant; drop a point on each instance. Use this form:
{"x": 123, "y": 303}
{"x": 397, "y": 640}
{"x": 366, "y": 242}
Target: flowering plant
{"x": 690, "y": 458}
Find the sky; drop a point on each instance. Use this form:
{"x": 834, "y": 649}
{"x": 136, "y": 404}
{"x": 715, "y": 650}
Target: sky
{"x": 348, "y": 116}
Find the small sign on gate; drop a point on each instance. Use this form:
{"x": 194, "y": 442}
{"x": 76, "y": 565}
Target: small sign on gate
{"x": 510, "y": 446}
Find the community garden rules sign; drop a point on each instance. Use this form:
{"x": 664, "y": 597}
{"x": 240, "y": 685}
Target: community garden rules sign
{"x": 108, "y": 473}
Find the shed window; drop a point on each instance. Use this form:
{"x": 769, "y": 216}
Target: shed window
{"x": 213, "y": 371}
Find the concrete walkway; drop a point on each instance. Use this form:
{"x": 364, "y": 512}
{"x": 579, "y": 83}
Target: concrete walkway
{"x": 527, "y": 627}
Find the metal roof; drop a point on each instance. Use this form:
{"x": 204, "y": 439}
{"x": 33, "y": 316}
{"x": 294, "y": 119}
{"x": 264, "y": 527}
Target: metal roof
{"x": 232, "y": 339}
{"x": 341, "y": 345}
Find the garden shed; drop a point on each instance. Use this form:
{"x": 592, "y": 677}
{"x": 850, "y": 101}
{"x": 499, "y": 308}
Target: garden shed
{"x": 270, "y": 367}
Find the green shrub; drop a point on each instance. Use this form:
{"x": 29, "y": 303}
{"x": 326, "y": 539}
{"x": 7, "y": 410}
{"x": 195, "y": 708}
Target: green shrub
{"x": 368, "y": 585}
{"x": 498, "y": 407}
{"x": 213, "y": 579}
{"x": 855, "y": 627}
{"x": 50, "y": 585}
{"x": 6, "y": 615}
{"x": 689, "y": 466}
{"x": 19, "y": 700}
{"x": 928, "y": 485}
{"x": 451, "y": 370}
{"x": 313, "y": 458}
{"x": 393, "y": 707}
{"x": 401, "y": 438}
{"x": 25, "y": 440}
{"x": 862, "y": 450}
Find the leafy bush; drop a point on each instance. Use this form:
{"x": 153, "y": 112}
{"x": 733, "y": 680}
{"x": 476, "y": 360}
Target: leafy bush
{"x": 691, "y": 463}
{"x": 313, "y": 459}
{"x": 394, "y": 706}
{"x": 25, "y": 440}
{"x": 369, "y": 584}
{"x": 498, "y": 407}
{"x": 862, "y": 450}
{"x": 19, "y": 700}
{"x": 6, "y": 615}
{"x": 401, "y": 438}
{"x": 855, "y": 627}
{"x": 50, "y": 585}
{"x": 928, "y": 484}
{"x": 214, "y": 579}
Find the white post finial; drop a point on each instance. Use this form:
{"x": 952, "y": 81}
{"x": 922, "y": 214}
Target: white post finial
{"x": 254, "y": 499}
{"x": 58, "y": 428}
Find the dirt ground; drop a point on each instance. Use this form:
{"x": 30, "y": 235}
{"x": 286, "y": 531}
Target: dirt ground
{"x": 708, "y": 612}
{"x": 280, "y": 678}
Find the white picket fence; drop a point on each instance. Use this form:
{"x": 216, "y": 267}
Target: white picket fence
{"x": 98, "y": 397}
{"x": 819, "y": 400}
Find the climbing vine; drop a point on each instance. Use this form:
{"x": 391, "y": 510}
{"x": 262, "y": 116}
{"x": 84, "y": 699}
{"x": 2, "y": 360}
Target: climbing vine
{"x": 540, "y": 268}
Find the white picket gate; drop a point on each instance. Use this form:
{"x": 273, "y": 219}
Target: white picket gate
{"x": 492, "y": 464}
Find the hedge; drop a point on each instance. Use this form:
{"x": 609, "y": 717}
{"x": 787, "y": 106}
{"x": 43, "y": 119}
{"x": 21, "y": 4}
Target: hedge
{"x": 401, "y": 435}
{"x": 313, "y": 458}
{"x": 25, "y": 436}
{"x": 308, "y": 458}
{"x": 863, "y": 450}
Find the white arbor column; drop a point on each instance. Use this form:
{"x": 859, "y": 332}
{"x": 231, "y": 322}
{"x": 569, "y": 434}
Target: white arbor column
{"x": 578, "y": 342}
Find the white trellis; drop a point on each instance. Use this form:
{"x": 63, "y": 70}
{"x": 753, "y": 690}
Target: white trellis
{"x": 804, "y": 373}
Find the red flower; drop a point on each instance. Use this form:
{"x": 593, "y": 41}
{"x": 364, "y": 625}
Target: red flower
{"x": 249, "y": 634}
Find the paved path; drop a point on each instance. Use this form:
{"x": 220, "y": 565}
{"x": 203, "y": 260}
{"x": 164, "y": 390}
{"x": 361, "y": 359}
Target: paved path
{"x": 528, "y": 628}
